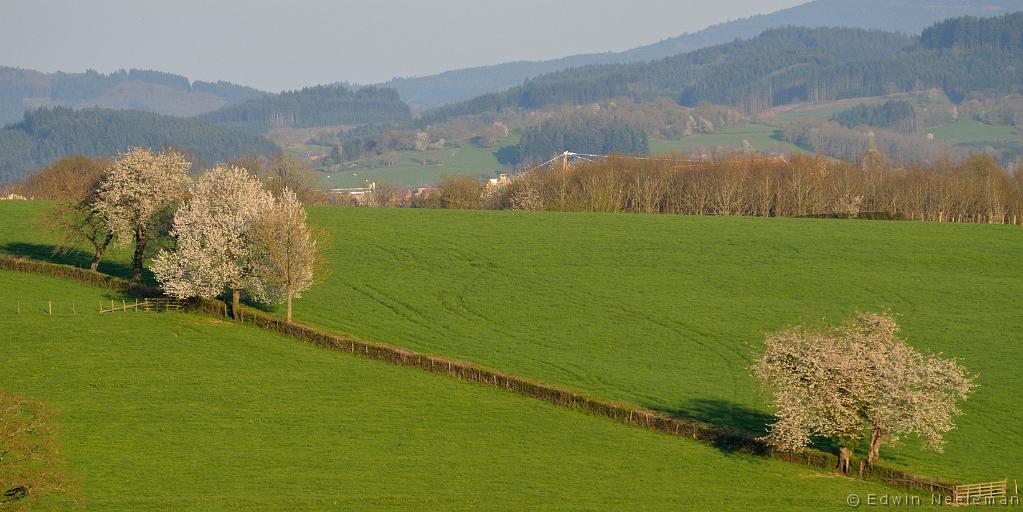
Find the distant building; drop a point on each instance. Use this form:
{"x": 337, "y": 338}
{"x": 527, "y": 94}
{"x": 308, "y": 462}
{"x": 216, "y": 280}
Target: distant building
{"x": 501, "y": 179}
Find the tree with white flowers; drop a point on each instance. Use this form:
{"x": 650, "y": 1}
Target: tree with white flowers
{"x": 136, "y": 188}
{"x": 285, "y": 250}
{"x": 860, "y": 377}
{"x": 215, "y": 237}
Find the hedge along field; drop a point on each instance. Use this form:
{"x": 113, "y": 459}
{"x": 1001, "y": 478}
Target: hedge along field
{"x": 177, "y": 411}
{"x": 667, "y": 312}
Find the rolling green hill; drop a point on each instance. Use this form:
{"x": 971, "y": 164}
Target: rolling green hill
{"x": 667, "y": 312}
{"x": 173, "y": 411}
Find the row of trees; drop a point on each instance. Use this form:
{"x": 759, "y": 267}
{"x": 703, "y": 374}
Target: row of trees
{"x": 898, "y": 115}
{"x": 228, "y": 230}
{"x": 977, "y": 190}
{"x": 580, "y": 134}
{"x": 325, "y": 105}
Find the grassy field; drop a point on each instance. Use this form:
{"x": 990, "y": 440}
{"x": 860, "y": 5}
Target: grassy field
{"x": 969, "y": 131}
{"x": 417, "y": 168}
{"x": 169, "y": 411}
{"x": 668, "y": 312}
{"x": 761, "y": 137}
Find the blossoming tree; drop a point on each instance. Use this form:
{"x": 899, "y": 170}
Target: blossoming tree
{"x": 214, "y": 232}
{"x": 860, "y": 377}
{"x": 138, "y": 186}
{"x": 285, "y": 250}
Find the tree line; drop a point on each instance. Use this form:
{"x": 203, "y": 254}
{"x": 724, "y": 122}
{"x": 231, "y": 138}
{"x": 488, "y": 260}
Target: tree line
{"x": 325, "y": 105}
{"x": 580, "y": 134}
{"x": 237, "y": 228}
{"x": 976, "y": 190}
{"x": 898, "y": 115}
{"x": 1005, "y": 32}
{"x": 48, "y": 134}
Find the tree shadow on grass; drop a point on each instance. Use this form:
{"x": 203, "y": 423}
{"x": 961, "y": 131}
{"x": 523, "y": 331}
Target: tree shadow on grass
{"x": 744, "y": 422}
{"x": 75, "y": 258}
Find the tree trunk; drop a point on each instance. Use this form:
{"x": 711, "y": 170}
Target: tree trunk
{"x": 844, "y": 459}
{"x": 235, "y": 302}
{"x": 289, "y": 306}
{"x": 100, "y": 250}
{"x": 876, "y": 437}
{"x": 140, "y": 252}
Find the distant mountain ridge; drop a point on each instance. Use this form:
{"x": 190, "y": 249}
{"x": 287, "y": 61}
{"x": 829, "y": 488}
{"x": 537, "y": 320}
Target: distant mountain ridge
{"x": 905, "y": 16}
{"x": 961, "y": 56}
{"x": 135, "y": 89}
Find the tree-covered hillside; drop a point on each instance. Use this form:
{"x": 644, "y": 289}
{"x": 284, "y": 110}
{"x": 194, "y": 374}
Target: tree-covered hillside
{"x": 153, "y": 91}
{"x": 325, "y": 105}
{"x": 782, "y": 66}
{"x": 46, "y": 135}
{"x": 905, "y": 16}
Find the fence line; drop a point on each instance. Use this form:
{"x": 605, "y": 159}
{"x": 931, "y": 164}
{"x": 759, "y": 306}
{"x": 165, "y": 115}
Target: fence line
{"x": 723, "y": 437}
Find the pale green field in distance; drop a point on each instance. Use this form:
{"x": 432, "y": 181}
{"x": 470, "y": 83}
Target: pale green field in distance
{"x": 418, "y": 168}
{"x": 668, "y": 312}
{"x": 761, "y": 138}
{"x": 967, "y": 131}
{"x": 170, "y": 411}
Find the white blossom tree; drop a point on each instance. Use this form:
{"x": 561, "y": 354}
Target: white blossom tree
{"x": 859, "y": 377}
{"x": 214, "y": 233}
{"x": 137, "y": 186}
{"x": 285, "y": 250}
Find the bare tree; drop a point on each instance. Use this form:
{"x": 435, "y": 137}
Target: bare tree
{"x": 137, "y": 186}
{"x": 31, "y": 464}
{"x": 285, "y": 250}
{"x": 214, "y": 234}
{"x": 78, "y": 223}
{"x": 861, "y": 376}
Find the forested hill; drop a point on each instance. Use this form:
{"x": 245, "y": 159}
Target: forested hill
{"x": 46, "y": 135}
{"x": 325, "y": 105}
{"x": 152, "y": 91}
{"x": 905, "y": 16}
{"x": 786, "y": 65}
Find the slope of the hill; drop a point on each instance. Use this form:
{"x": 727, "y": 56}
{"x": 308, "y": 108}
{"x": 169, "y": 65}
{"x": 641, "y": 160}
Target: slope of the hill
{"x": 152, "y": 91}
{"x": 664, "y": 311}
{"x": 46, "y": 135}
{"x": 906, "y": 16}
{"x": 171, "y": 411}
{"x": 787, "y": 65}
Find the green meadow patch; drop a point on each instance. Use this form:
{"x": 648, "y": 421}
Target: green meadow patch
{"x": 668, "y": 312}
{"x": 175, "y": 411}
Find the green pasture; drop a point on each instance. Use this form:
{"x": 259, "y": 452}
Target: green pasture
{"x": 418, "y": 168}
{"x": 667, "y": 311}
{"x": 761, "y": 137}
{"x": 171, "y": 411}
{"x": 971, "y": 131}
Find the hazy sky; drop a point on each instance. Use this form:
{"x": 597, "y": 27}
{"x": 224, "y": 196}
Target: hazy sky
{"x": 278, "y": 45}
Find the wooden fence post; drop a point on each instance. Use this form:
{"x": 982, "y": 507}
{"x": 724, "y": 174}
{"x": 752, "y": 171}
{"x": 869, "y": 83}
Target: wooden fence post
{"x": 49, "y": 306}
{"x": 74, "y": 310}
